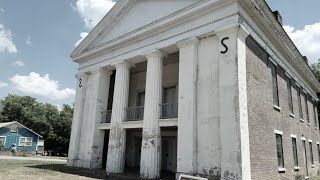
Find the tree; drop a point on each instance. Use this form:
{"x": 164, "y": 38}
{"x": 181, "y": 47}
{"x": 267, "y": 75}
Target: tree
{"x": 44, "y": 119}
{"x": 316, "y": 69}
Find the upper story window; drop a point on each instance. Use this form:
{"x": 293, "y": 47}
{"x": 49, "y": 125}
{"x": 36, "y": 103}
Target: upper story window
{"x": 315, "y": 114}
{"x": 25, "y": 141}
{"x": 299, "y": 102}
{"x": 306, "y": 106}
{"x": 289, "y": 95}
{"x": 275, "y": 92}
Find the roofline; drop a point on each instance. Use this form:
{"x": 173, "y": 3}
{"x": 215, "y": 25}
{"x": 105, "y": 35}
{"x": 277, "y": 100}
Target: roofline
{"x": 100, "y": 26}
{"x": 13, "y": 122}
{"x": 267, "y": 11}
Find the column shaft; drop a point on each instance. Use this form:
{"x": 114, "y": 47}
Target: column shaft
{"x": 117, "y": 137}
{"x": 73, "y": 153}
{"x": 151, "y": 141}
{"x": 235, "y": 151}
{"x": 92, "y": 139}
{"x": 187, "y": 112}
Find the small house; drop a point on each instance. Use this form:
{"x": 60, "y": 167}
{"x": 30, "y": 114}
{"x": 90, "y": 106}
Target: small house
{"x": 26, "y": 140}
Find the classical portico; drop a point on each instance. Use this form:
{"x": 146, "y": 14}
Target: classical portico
{"x": 178, "y": 76}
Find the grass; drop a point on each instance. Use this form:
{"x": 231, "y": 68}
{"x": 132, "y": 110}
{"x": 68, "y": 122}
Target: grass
{"x": 15, "y": 169}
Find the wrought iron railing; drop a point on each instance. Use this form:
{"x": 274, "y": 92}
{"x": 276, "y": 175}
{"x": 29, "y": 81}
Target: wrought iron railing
{"x": 135, "y": 113}
{"x": 168, "y": 111}
{"x": 106, "y": 116}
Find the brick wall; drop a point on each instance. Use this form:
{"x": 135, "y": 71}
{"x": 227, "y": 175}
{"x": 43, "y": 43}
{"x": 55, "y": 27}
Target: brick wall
{"x": 264, "y": 119}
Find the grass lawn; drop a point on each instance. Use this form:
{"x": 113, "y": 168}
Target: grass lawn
{"x": 34, "y": 170}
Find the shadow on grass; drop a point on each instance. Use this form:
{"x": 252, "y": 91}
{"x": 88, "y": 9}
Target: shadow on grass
{"x": 132, "y": 174}
{"x": 96, "y": 173}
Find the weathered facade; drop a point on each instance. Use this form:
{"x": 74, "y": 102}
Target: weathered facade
{"x": 198, "y": 87}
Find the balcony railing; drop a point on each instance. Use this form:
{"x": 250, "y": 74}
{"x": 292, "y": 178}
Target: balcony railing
{"x": 168, "y": 111}
{"x": 135, "y": 113}
{"x": 106, "y": 116}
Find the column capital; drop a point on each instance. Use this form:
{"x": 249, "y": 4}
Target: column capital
{"x": 123, "y": 64}
{"x": 188, "y": 42}
{"x": 239, "y": 30}
{"x": 81, "y": 74}
{"x": 155, "y": 54}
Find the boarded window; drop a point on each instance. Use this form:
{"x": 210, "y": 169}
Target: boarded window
{"x": 306, "y": 106}
{"x": 299, "y": 102}
{"x": 274, "y": 84}
{"x": 289, "y": 95}
{"x": 311, "y": 153}
{"x": 295, "y": 153}
{"x": 279, "y": 151}
{"x": 25, "y": 141}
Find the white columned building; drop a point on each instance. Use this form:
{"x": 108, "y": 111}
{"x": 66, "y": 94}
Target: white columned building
{"x": 170, "y": 88}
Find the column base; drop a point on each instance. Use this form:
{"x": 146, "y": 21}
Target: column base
{"x": 84, "y": 164}
{"x": 209, "y": 177}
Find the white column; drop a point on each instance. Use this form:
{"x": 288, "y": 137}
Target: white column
{"x": 96, "y": 101}
{"x": 117, "y": 137}
{"x": 77, "y": 119}
{"x": 234, "y": 132}
{"x": 187, "y": 124}
{"x": 151, "y": 141}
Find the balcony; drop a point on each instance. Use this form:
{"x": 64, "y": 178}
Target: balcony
{"x": 135, "y": 113}
{"x": 106, "y": 116}
{"x": 168, "y": 111}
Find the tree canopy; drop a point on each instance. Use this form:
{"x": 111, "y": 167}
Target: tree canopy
{"x": 316, "y": 69}
{"x": 45, "y": 119}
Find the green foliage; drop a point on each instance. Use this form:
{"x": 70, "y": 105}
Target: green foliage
{"x": 44, "y": 119}
{"x": 316, "y": 69}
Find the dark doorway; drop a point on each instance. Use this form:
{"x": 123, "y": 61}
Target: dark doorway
{"x": 105, "y": 149}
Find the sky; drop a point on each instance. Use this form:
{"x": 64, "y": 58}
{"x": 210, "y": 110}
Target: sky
{"x": 37, "y": 37}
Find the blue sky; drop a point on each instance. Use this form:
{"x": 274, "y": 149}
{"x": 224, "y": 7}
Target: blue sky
{"x": 37, "y": 37}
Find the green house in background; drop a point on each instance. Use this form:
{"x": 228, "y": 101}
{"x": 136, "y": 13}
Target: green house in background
{"x": 25, "y": 139}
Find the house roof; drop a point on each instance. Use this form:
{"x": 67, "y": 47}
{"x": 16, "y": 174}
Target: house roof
{"x": 15, "y": 122}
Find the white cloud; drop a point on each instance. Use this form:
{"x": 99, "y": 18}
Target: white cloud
{"x": 82, "y": 35}
{"x": 18, "y": 63}
{"x": 6, "y": 43}
{"x": 2, "y": 10}
{"x": 307, "y": 40}
{"x": 35, "y": 84}
{"x": 28, "y": 41}
{"x": 92, "y": 11}
{"x": 3, "y": 84}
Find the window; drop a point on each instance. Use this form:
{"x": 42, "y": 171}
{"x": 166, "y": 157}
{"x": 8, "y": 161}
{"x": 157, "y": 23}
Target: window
{"x": 25, "y": 141}
{"x": 318, "y": 146}
{"x": 274, "y": 84}
{"x": 305, "y": 154}
{"x": 299, "y": 102}
{"x": 289, "y": 95}
{"x": 295, "y": 153}
{"x": 306, "y": 106}
{"x": 315, "y": 114}
{"x": 2, "y": 141}
{"x": 311, "y": 153}
{"x": 279, "y": 151}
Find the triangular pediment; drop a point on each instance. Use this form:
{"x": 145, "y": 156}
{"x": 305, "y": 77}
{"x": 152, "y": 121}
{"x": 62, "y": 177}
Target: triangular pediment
{"x": 128, "y": 16}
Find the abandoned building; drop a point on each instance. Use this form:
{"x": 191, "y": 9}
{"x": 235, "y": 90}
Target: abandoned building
{"x": 212, "y": 88}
